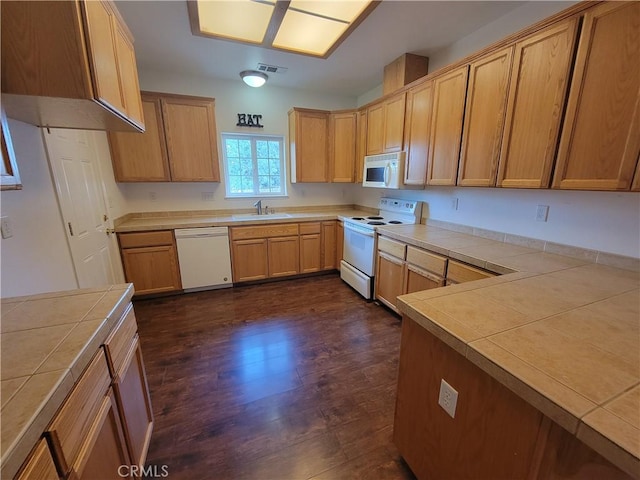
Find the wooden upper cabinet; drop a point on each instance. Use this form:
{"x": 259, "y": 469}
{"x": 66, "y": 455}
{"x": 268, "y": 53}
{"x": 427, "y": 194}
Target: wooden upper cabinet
{"x": 385, "y": 125}
{"x": 375, "y": 129}
{"x": 601, "y": 134}
{"x": 485, "y": 110}
{"x": 394, "y": 123}
{"x": 537, "y": 93}
{"x": 343, "y": 146}
{"x": 190, "y": 127}
{"x": 180, "y": 143}
{"x": 309, "y": 145}
{"x": 361, "y": 144}
{"x": 69, "y": 64}
{"x": 417, "y": 130}
{"x": 449, "y": 92}
{"x": 142, "y": 157}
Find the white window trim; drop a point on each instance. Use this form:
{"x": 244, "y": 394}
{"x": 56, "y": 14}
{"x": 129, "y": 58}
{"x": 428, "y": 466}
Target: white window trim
{"x": 283, "y": 166}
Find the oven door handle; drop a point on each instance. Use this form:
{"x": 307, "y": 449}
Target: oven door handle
{"x": 362, "y": 231}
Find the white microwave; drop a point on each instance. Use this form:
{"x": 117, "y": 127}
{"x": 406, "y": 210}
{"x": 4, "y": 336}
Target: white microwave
{"x": 384, "y": 171}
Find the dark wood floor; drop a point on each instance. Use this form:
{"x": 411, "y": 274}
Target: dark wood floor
{"x": 288, "y": 380}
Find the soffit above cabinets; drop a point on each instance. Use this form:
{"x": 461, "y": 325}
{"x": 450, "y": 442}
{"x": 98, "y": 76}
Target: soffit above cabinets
{"x": 308, "y": 27}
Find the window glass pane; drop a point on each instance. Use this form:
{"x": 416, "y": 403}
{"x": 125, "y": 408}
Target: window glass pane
{"x": 274, "y": 149}
{"x": 254, "y": 165}
{"x": 263, "y": 166}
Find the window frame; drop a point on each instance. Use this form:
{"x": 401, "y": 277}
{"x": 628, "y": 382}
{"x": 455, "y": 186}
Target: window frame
{"x": 254, "y": 137}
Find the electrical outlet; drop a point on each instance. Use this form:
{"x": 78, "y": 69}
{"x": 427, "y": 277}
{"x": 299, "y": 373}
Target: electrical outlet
{"x": 454, "y": 203}
{"x": 7, "y": 231}
{"x": 542, "y": 213}
{"x": 207, "y": 196}
{"x": 153, "y": 196}
{"x": 448, "y": 398}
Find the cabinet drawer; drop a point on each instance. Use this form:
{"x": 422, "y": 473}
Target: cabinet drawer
{"x": 309, "y": 228}
{"x": 460, "y": 272}
{"x": 264, "y": 231}
{"x": 40, "y": 464}
{"x": 392, "y": 247}
{"x": 75, "y": 417}
{"x": 146, "y": 239}
{"x": 118, "y": 343}
{"x": 426, "y": 260}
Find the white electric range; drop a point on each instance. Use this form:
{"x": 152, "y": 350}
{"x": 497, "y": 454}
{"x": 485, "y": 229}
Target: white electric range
{"x": 357, "y": 267}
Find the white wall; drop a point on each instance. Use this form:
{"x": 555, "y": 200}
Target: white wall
{"x": 604, "y": 221}
{"x": 233, "y": 97}
{"x": 37, "y": 258}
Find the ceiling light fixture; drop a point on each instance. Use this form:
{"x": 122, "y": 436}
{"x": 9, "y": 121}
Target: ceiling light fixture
{"x": 253, "y": 78}
{"x": 307, "y": 27}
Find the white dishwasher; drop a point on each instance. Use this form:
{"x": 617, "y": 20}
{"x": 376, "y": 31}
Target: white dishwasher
{"x": 205, "y": 261}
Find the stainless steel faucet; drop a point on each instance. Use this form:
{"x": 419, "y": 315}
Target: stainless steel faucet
{"x": 258, "y": 206}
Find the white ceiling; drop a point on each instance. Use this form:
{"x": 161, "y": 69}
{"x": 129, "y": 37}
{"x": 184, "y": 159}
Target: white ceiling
{"x": 163, "y": 42}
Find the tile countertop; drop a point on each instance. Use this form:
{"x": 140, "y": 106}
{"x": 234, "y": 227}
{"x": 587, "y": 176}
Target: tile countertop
{"x": 561, "y": 332}
{"x": 173, "y": 221}
{"x": 47, "y": 340}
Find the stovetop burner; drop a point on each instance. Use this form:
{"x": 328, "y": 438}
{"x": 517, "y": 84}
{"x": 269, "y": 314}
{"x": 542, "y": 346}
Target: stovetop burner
{"x": 374, "y": 218}
{"x": 375, "y": 222}
{"x": 357, "y": 218}
{"x": 395, "y": 222}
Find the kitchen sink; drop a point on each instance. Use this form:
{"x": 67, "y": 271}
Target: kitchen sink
{"x": 255, "y": 216}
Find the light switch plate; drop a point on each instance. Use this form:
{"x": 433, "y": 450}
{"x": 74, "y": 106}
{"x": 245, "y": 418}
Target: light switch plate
{"x": 7, "y": 231}
{"x": 542, "y": 213}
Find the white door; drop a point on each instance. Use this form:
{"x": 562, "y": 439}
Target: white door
{"x": 76, "y": 173}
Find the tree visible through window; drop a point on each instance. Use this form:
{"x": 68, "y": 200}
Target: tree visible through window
{"x": 254, "y": 165}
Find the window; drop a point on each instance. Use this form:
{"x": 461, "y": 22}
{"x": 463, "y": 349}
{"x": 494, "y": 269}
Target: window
{"x": 254, "y": 165}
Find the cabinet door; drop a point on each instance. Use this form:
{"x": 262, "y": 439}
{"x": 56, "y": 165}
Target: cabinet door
{"x": 190, "y": 128}
{"x": 537, "y": 93}
{"x": 128, "y": 75}
{"x": 417, "y": 280}
{"x": 309, "y": 140}
{"x": 134, "y": 404}
{"x": 310, "y": 253}
{"x": 100, "y": 24}
{"x": 635, "y": 186}
{"x": 446, "y": 127}
{"x": 343, "y": 146}
{"x": 361, "y": 144}
{"x": 249, "y": 259}
{"x": 601, "y": 134}
{"x": 152, "y": 269}
{"x": 375, "y": 129}
{"x": 394, "y": 123}
{"x": 329, "y": 245}
{"x": 484, "y": 119}
{"x": 284, "y": 256}
{"x": 417, "y": 130}
{"x": 142, "y": 157}
{"x": 389, "y": 279}
{"x": 39, "y": 466}
{"x": 103, "y": 451}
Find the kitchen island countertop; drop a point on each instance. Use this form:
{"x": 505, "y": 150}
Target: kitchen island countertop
{"x": 561, "y": 332}
{"x": 47, "y": 341}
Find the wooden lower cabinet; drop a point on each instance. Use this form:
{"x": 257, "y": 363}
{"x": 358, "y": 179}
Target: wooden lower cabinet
{"x": 310, "y": 252}
{"x": 494, "y": 434}
{"x": 260, "y": 252}
{"x": 284, "y": 256}
{"x": 389, "y": 282}
{"x": 150, "y": 261}
{"x": 249, "y": 260}
{"x": 104, "y": 453}
{"x": 458, "y": 272}
{"x": 339, "y": 243}
{"x": 39, "y": 465}
{"x": 417, "y": 280}
{"x": 329, "y": 245}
